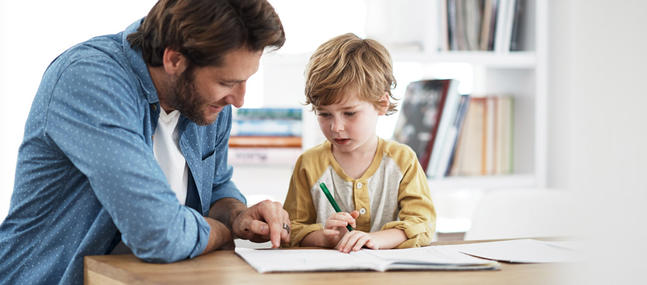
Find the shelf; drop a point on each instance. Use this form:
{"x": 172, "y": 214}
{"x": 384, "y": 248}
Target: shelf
{"x": 520, "y": 60}
{"x": 482, "y": 182}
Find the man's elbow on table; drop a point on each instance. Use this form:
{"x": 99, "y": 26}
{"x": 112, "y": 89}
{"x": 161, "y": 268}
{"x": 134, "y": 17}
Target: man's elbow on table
{"x": 171, "y": 243}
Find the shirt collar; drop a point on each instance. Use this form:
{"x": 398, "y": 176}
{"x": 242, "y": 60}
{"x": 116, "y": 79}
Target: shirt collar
{"x": 138, "y": 65}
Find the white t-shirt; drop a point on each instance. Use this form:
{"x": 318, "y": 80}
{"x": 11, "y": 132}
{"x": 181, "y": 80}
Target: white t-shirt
{"x": 168, "y": 154}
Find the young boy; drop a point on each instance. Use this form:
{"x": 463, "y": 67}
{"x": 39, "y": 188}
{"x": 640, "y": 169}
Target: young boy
{"x": 379, "y": 185}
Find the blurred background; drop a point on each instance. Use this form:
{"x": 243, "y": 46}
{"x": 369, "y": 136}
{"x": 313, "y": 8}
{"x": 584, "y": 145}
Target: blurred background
{"x": 575, "y": 72}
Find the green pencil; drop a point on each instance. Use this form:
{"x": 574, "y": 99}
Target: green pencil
{"x": 332, "y": 201}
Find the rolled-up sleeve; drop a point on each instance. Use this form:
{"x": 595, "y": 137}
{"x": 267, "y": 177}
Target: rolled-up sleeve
{"x": 97, "y": 124}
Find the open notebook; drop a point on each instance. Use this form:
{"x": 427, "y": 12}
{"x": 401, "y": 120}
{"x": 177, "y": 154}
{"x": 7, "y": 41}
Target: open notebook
{"x": 424, "y": 258}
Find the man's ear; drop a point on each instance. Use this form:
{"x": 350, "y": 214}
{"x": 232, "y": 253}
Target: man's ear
{"x": 174, "y": 62}
{"x": 383, "y": 104}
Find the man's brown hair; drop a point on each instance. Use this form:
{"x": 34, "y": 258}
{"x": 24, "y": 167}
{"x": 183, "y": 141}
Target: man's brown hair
{"x": 204, "y": 30}
{"x": 348, "y": 61}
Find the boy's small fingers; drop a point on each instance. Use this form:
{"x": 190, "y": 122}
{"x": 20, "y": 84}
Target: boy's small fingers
{"x": 328, "y": 232}
{"x": 335, "y": 224}
{"x": 341, "y": 245}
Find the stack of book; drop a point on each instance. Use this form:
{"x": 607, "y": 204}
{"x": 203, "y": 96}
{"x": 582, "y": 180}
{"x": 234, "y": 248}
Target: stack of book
{"x": 485, "y": 143}
{"x": 265, "y": 136}
{"x": 455, "y": 134}
{"x": 481, "y": 24}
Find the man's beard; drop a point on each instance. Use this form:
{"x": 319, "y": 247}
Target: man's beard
{"x": 186, "y": 99}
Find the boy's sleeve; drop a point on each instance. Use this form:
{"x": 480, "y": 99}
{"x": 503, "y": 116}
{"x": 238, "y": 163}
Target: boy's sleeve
{"x": 417, "y": 216}
{"x": 299, "y": 205}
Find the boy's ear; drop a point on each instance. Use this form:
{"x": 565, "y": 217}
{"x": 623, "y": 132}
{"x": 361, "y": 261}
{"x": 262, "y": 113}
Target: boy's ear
{"x": 383, "y": 104}
{"x": 174, "y": 62}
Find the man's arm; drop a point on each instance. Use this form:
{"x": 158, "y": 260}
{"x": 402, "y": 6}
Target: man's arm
{"x": 97, "y": 125}
{"x": 259, "y": 223}
{"x": 226, "y": 210}
{"x": 220, "y": 236}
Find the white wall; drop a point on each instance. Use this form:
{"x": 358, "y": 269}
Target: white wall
{"x": 32, "y": 34}
{"x": 598, "y": 137}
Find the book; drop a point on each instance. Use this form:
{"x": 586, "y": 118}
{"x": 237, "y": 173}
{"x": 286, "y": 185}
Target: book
{"x": 472, "y": 13}
{"x": 266, "y": 127}
{"x": 268, "y": 113}
{"x": 447, "y": 159}
{"x": 451, "y": 24}
{"x": 489, "y": 135}
{"x": 505, "y": 23}
{"x": 462, "y": 22}
{"x": 264, "y": 141}
{"x": 420, "y": 114}
{"x": 485, "y": 142}
{"x": 517, "y": 25}
{"x": 444, "y": 27}
{"x": 257, "y": 133}
{"x": 422, "y": 258}
{"x": 468, "y": 157}
{"x": 263, "y": 155}
{"x": 504, "y": 125}
{"x": 442, "y": 144}
{"x": 488, "y": 24}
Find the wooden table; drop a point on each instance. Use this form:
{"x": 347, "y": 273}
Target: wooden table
{"x": 225, "y": 267}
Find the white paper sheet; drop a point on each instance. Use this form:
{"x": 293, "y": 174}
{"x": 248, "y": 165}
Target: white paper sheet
{"x": 520, "y": 251}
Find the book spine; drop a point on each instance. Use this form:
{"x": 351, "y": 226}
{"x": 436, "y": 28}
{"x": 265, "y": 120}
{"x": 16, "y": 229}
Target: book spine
{"x": 426, "y": 157}
{"x": 259, "y": 127}
{"x": 469, "y": 152}
{"x": 263, "y": 156}
{"x": 447, "y": 163}
{"x": 264, "y": 141}
{"x": 440, "y": 146}
{"x": 269, "y": 113}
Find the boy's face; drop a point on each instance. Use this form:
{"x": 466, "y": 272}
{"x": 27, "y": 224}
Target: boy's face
{"x": 350, "y": 124}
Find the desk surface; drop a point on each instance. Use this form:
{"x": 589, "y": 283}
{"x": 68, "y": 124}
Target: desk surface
{"x": 225, "y": 267}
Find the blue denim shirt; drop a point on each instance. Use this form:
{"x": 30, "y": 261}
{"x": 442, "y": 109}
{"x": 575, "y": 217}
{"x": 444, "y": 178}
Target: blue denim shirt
{"x": 86, "y": 176}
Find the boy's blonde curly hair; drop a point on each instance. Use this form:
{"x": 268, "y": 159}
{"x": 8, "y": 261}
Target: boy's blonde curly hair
{"x": 345, "y": 62}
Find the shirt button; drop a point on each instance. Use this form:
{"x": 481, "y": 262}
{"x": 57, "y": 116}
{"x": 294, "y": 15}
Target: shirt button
{"x": 362, "y": 211}
{"x": 359, "y": 185}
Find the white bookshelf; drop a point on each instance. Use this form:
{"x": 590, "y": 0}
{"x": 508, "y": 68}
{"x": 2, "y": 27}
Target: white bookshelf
{"x": 514, "y": 60}
{"x": 519, "y": 73}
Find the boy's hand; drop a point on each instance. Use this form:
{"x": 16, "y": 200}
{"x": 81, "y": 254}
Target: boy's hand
{"x": 355, "y": 240}
{"x": 335, "y": 227}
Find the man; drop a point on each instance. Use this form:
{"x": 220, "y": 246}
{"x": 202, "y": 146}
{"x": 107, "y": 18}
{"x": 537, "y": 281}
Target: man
{"x": 126, "y": 143}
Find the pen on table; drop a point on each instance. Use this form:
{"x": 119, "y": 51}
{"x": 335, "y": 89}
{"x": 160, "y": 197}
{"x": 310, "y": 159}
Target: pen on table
{"x": 332, "y": 201}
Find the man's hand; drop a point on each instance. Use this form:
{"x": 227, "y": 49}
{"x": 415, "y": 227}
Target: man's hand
{"x": 262, "y": 222}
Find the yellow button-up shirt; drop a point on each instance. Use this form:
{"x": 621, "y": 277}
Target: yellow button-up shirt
{"x": 392, "y": 193}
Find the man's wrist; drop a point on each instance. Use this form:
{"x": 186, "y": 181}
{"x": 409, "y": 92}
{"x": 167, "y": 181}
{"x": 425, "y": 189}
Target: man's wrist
{"x": 219, "y": 235}
{"x": 235, "y": 213}
{"x": 226, "y": 211}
